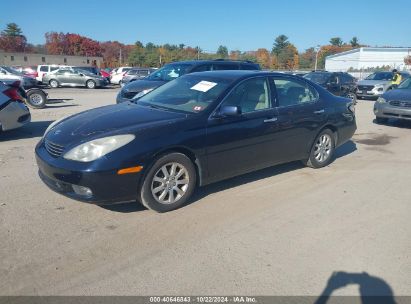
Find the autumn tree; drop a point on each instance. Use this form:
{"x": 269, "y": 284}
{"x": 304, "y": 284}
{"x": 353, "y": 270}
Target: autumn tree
{"x": 263, "y": 58}
{"x": 12, "y": 39}
{"x": 307, "y": 59}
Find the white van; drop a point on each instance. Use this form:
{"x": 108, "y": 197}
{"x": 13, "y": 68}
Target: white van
{"x": 44, "y": 69}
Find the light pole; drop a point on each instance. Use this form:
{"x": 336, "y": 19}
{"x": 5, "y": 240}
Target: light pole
{"x": 317, "y": 51}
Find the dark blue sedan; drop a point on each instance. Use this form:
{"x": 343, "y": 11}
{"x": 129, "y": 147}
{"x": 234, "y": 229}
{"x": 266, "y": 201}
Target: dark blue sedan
{"x": 195, "y": 130}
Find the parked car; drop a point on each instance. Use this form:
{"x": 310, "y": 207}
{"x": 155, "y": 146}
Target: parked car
{"x": 195, "y": 130}
{"x": 116, "y": 75}
{"x": 338, "y": 83}
{"x": 173, "y": 70}
{"x": 394, "y": 103}
{"x": 106, "y": 75}
{"x": 136, "y": 74}
{"x": 29, "y": 71}
{"x": 377, "y": 84}
{"x": 9, "y": 75}
{"x": 71, "y": 77}
{"x": 42, "y": 70}
{"x": 13, "y": 112}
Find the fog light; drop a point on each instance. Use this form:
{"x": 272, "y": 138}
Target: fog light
{"x": 83, "y": 191}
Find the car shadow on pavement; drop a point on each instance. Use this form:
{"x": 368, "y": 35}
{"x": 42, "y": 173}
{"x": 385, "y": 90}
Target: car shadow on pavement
{"x": 347, "y": 148}
{"x": 30, "y": 130}
{"x": 372, "y": 289}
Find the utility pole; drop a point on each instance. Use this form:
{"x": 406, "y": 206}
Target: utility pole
{"x": 121, "y": 57}
{"x": 317, "y": 49}
{"x": 160, "y": 60}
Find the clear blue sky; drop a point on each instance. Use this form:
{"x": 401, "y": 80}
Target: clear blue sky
{"x": 238, "y": 24}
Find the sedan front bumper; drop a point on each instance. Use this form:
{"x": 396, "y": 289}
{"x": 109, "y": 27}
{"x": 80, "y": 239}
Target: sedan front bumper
{"x": 72, "y": 180}
{"x": 386, "y": 110}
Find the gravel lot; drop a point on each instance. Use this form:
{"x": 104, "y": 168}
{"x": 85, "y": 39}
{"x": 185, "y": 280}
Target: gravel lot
{"x": 280, "y": 231}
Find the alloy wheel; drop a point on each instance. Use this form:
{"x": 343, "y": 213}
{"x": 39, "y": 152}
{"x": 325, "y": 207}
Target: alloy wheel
{"x": 322, "y": 148}
{"x": 170, "y": 183}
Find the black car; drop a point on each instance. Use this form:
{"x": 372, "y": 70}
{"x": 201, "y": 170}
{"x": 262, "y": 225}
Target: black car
{"x": 195, "y": 130}
{"x": 338, "y": 83}
{"x": 173, "y": 70}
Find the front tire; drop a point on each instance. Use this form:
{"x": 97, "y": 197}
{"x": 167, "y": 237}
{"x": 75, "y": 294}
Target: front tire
{"x": 54, "y": 83}
{"x": 90, "y": 84}
{"x": 169, "y": 183}
{"x": 322, "y": 151}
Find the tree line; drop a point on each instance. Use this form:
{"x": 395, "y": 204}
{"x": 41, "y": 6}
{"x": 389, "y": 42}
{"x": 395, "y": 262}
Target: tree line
{"x": 283, "y": 55}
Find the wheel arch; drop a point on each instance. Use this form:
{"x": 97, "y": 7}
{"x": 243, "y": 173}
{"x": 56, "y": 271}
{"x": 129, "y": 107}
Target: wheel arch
{"x": 199, "y": 167}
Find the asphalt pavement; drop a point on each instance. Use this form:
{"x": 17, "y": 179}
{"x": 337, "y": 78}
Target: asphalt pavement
{"x": 284, "y": 230}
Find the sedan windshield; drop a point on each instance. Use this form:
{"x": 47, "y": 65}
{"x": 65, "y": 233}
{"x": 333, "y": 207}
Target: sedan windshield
{"x": 320, "y": 78}
{"x": 169, "y": 72}
{"x": 190, "y": 94}
{"x": 380, "y": 76}
{"x": 405, "y": 85}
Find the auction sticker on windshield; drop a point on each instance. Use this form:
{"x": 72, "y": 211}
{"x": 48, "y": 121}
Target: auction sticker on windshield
{"x": 204, "y": 86}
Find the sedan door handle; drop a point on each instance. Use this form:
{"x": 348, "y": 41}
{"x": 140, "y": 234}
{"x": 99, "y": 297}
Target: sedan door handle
{"x": 319, "y": 111}
{"x": 271, "y": 119}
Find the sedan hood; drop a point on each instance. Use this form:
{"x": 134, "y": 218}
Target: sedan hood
{"x": 373, "y": 82}
{"x": 141, "y": 85}
{"x": 106, "y": 120}
{"x": 399, "y": 94}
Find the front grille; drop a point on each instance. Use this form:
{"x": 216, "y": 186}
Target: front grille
{"x": 129, "y": 95}
{"x": 365, "y": 87}
{"x": 404, "y": 104}
{"x": 54, "y": 149}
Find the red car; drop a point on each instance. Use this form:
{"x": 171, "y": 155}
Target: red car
{"x": 29, "y": 71}
{"x": 105, "y": 75}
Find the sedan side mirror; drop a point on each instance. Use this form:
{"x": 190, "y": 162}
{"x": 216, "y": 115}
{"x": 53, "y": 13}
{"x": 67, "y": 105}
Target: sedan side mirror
{"x": 230, "y": 111}
{"x": 81, "y": 74}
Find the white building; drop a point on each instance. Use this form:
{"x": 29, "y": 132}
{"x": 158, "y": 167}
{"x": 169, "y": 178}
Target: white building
{"x": 28, "y": 59}
{"x": 367, "y": 57}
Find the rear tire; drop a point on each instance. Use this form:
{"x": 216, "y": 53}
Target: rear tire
{"x": 322, "y": 151}
{"x": 169, "y": 183}
{"x": 54, "y": 83}
{"x": 36, "y": 99}
{"x": 353, "y": 97}
{"x": 90, "y": 84}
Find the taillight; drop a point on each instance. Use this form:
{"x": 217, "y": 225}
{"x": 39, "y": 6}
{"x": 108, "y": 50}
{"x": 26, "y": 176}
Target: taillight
{"x": 13, "y": 94}
{"x": 351, "y": 107}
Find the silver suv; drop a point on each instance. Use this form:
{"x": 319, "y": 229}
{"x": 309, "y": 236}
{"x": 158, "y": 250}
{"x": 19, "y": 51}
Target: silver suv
{"x": 376, "y": 84}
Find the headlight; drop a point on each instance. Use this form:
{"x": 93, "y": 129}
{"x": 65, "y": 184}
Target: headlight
{"x": 142, "y": 93}
{"x": 97, "y": 148}
{"x": 53, "y": 124}
{"x": 381, "y": 100}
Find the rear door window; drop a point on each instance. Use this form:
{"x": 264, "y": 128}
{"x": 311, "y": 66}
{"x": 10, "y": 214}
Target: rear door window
{"x": 44, "y": 68}
{"x": 202, "y": 68}
{"x": 292, "y": 92}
